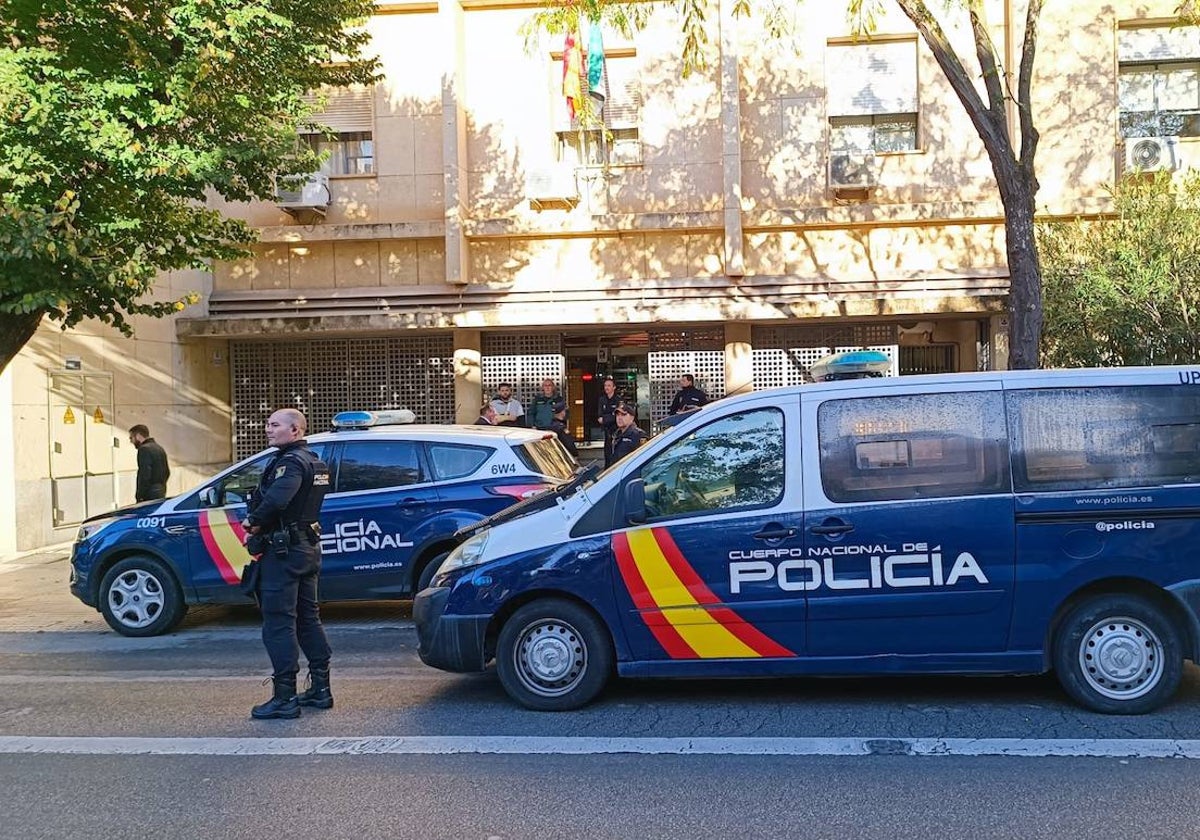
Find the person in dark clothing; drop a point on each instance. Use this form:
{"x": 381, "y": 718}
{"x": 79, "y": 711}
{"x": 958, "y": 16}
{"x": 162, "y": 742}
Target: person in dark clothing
{"x": 153, "y": 471}
{"x": 541, "y": 413}
{"x": 558, "y": 425}
{"x": 606, "y": 416}
{"x": 689, "y": 397}
{"x": 629, "y": 437}
{"x": 282, "y": 523}
{"x": 487, "y": 415}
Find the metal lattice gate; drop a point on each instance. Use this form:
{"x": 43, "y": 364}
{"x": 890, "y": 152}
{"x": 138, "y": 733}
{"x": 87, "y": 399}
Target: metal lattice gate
{"x": 323, "y": 377}
{"x": 523, "y": 361}
{"x": 783, "y": 355}
{"x": 672, "y": 354}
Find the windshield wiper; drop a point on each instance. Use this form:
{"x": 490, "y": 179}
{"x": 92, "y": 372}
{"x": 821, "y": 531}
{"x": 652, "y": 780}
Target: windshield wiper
{"x": 533, "y": 504}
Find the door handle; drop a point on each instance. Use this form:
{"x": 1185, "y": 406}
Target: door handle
{"x": 178, "y": 530}
{"x": 408, "y": 504}
{"x": 831, "y": 527}
{"x": 774, "y": 532}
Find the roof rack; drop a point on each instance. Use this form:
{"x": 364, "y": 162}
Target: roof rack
{"x": 370, "y": 419}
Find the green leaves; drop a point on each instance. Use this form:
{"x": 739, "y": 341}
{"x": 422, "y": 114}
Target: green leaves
{"x": 1125, "y": 290}
{"x": 117, "y": 120}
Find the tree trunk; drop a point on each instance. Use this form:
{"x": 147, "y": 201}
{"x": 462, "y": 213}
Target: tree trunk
{"x": 15, "y": 332}
{"x": 1025, "y": 277}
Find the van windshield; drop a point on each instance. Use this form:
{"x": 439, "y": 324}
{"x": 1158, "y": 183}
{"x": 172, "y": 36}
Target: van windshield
{"x": 548, "y": 457}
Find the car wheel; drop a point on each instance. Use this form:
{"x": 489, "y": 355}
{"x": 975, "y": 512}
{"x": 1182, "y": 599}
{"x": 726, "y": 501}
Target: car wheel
{"x": 140, "y": 597}
{"x": 429, "y": 570}
{"x": 1118, "y": 654}
{"x": 554, "y": 655}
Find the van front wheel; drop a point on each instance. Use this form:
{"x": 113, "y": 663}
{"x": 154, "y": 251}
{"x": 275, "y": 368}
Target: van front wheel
{"x": 553, "y": 655}
{"x": 1118, "y": 654}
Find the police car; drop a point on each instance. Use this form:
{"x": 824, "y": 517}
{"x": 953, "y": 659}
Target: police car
{"x": 985, "y": 523}
{"x": 399, "y": 494}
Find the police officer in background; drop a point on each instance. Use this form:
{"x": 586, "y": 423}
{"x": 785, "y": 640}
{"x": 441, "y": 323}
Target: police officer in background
{"x": 606, "y": 416}
{"x": 282, "y": 524}
{"x": 629, "y": 437}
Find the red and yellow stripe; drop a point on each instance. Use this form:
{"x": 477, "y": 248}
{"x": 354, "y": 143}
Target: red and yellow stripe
{"x": 224, "y": 540}
{"x": 681, "y": 611}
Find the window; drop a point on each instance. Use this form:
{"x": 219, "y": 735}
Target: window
{"x": 872, "y": 96}
{"x": 349, "y": 115}
{"x": 377, "y": 465}
{"x": 1159, "y": 81}
{"x": 733, "y": 463}
{"x": 235, "y": 488}
{"x": 547, "y": 457}
{"x": 913, "y": 447}
{"x": 1097, "y": 438}
{"x": 605, "y": 132}
{"x": 456, "y": 461}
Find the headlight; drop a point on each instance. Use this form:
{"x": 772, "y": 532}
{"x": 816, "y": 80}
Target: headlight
{"x": 90, "y": 529}
{"x": 469, "y": 553}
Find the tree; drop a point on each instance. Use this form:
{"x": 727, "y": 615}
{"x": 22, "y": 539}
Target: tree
{"x": 1125, "y": 289}
{"x": 119, "y": 118}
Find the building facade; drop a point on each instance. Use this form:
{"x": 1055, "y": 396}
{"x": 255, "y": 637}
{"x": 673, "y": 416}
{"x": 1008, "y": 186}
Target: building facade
{"x": 798, "y": 195}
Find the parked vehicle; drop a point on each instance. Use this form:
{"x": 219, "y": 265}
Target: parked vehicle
{"x": 982, "y": 523}
{"x": 399, "y": 494}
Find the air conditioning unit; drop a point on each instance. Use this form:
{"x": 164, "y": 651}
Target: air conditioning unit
{"x": 552, "y": 185}
{"x": 312, "y": 195}
{"x": 851, "y": 170}
{"x": 1150, "y": 154}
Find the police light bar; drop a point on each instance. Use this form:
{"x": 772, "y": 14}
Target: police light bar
{"x": 853, "y": 364}
{"x": 369, "y": 419}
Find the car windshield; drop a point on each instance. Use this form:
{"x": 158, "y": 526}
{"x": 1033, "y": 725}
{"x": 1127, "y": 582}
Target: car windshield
{"x": 546, "y": 456}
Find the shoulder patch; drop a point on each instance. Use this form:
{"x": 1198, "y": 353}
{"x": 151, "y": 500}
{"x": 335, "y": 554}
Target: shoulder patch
{"x": 279, "y": 471}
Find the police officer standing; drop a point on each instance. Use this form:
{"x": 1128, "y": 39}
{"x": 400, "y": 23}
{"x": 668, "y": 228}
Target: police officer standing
{"x": 629, "y": 437}
{"x": 282, "y": 523}
{"x": 606, "y": 416}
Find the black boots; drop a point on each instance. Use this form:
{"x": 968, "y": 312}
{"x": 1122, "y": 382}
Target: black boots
{"x": 317, "y": 695}
{"x": 283, "y": 702}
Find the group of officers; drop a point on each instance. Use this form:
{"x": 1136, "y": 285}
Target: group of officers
{"x": 283, "y": 530}
{"x": 614, "y": 414}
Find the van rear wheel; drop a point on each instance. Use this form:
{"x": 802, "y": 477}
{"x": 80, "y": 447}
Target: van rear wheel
{"x": 1118, "y": 654}
{"x": 554, "y": 655}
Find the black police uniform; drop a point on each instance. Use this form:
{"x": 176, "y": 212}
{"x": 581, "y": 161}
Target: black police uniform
{"x": 606, "y": 411}
{"x": 626, "y": 441}
{"x": 688, "y": 398}
{"x": 286, "y": 507}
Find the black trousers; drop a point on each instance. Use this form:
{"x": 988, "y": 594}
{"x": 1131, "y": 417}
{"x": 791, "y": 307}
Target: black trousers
{"x": 291, "y": 618}
{"x": 610, "y": 433}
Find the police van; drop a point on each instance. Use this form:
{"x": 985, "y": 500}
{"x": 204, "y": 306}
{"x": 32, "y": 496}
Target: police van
{"x": 399, "y": 493}
{"x": 983, "y": 523}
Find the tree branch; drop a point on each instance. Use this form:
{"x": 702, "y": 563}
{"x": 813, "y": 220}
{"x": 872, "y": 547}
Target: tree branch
{"x": 985, "y": 51}
{"x": 1029, "y": 134}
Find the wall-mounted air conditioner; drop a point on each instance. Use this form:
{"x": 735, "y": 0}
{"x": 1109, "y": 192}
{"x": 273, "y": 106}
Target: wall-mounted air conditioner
{"x": 851, "y": 170}
{"x": 552, "y": 185}
{"x": 1150, "y": 154}
{"x": 311, "y": 195}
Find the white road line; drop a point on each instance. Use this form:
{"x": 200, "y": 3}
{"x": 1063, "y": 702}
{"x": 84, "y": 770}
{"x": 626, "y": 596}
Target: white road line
{"x": 530, "y": 745}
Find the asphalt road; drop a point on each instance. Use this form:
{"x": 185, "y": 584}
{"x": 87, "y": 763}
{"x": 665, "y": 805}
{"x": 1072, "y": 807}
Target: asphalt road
{"x": 410, "y": 752}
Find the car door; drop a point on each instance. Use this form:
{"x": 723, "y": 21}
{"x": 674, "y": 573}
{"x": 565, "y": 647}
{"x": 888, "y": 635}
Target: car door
{"x": 382, "y": 490}
{"x": 909, "y": 522}
{"x": 697, "y": 580}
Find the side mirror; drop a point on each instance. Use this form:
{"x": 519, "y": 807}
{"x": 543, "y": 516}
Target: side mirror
{"x": 635, "y": 501}
{"x": 210, "y": 497}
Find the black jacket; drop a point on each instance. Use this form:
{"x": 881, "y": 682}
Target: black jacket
{"x": 688, "y": 398}
{"x": 606, "y": 411}
{"x": 626, "y": 441}
{"x": 291, "y": 489}
{"x": 152, "y": 473}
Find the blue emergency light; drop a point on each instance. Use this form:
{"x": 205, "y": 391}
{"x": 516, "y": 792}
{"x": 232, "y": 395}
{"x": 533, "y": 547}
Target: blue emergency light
{"x": 852, "y": 364}
{"x": 370, "y": 419}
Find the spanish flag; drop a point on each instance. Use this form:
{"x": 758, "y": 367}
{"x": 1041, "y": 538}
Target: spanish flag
{"x": 572, "y": 70}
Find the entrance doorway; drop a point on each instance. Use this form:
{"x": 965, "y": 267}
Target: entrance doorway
{"x": 83, "y": 446}
{"x": 590, "y": 359}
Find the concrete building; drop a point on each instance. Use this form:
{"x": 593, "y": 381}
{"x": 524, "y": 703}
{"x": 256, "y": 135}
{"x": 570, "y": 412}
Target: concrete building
{"x": 800, "y": 195}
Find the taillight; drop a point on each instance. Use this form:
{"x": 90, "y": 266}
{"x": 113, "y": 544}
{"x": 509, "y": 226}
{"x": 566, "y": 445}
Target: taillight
{"x": 519, "y": 491}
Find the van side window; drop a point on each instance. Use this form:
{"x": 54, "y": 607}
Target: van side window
{"x": 916, "y": 446}
{"x": 376, "y": 465}
{"x": 732, "y": 463}
{"x": 1097, "y": 438}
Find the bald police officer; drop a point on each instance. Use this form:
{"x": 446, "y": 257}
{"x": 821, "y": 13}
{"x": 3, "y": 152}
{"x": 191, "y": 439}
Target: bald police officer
{"x": 285, "y": 510}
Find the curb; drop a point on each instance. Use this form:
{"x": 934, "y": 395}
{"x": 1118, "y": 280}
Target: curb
{"x": 55, "y": 548}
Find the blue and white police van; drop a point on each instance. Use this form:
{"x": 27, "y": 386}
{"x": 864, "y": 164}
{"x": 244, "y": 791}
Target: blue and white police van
{"x": 983, "y": 523}
{"x": 399, "y": 493}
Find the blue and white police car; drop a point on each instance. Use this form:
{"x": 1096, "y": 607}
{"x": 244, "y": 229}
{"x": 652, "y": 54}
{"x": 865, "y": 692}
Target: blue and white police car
{"x": 985, "y": 523}
{"x": 400, "y": 492}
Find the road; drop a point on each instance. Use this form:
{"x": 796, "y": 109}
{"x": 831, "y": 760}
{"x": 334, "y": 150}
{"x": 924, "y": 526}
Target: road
{"x": 102, "y": 736}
